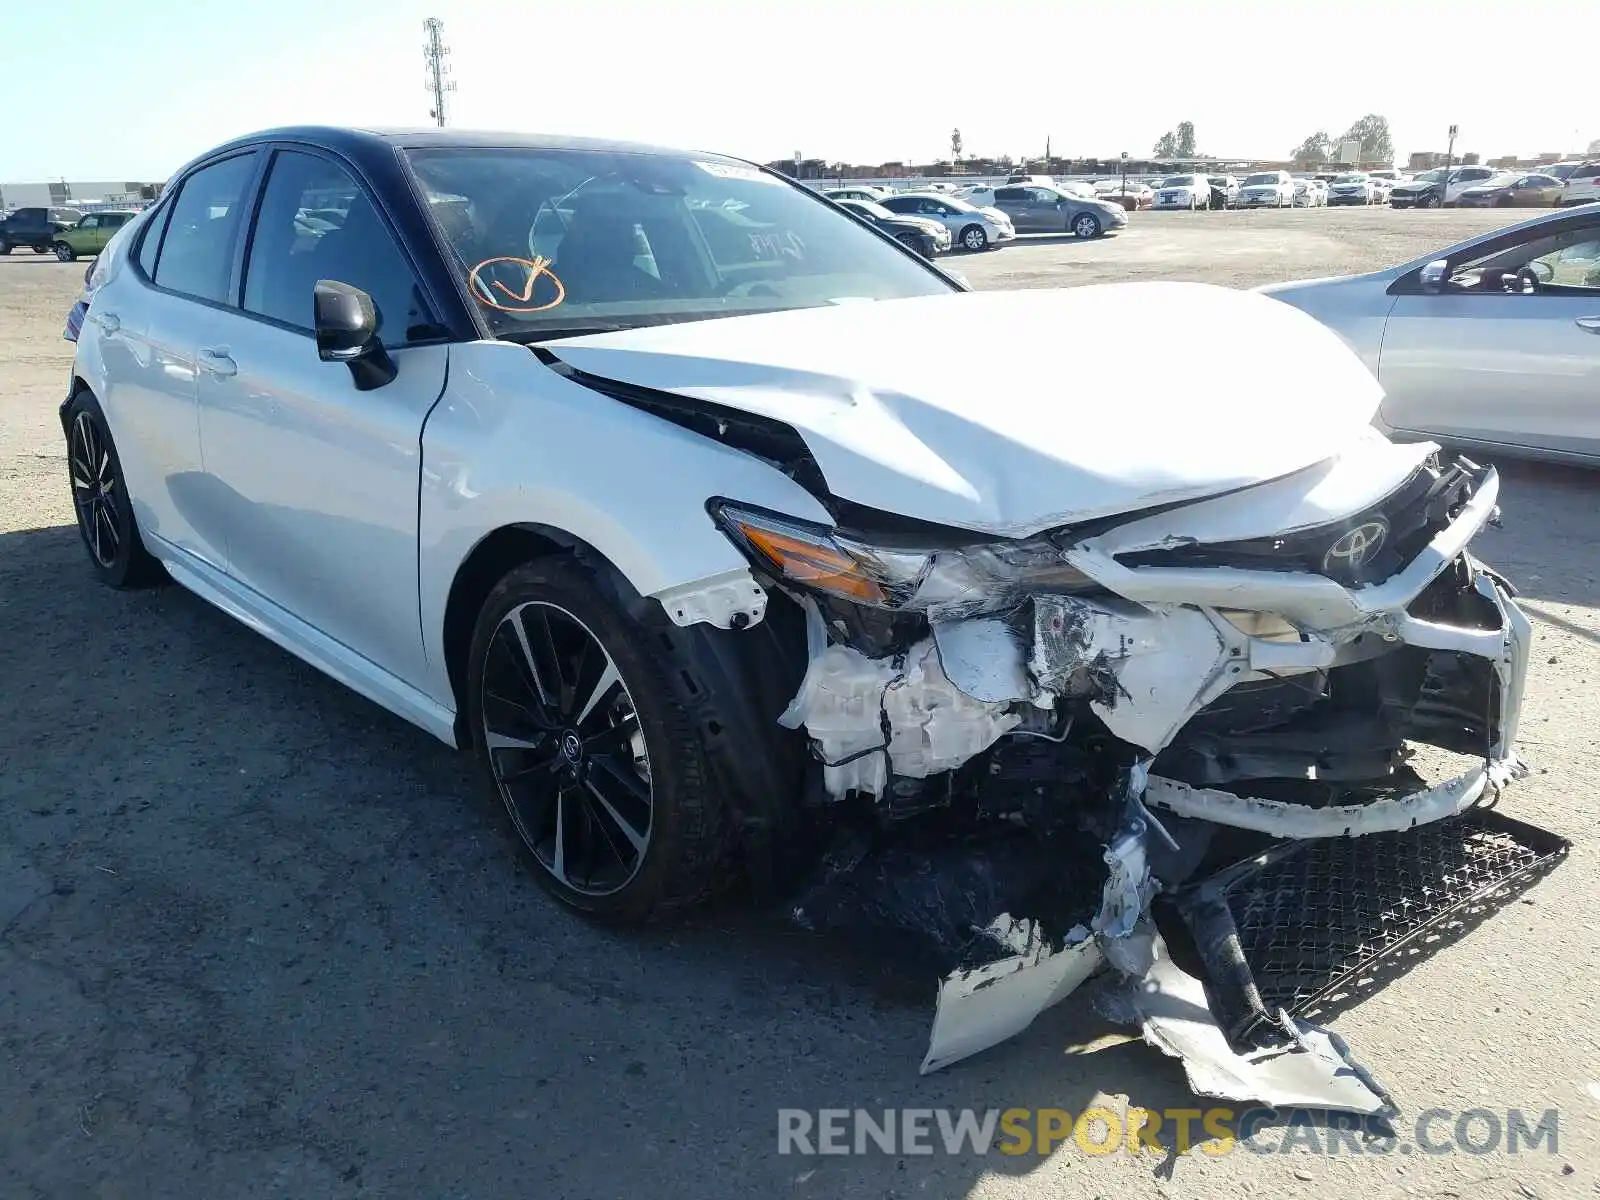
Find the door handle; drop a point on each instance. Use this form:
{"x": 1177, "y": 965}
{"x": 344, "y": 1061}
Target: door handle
{"x": 108, "y": 322}
{"x": 215, "y": 360}
{"x": 1590, "y": 324}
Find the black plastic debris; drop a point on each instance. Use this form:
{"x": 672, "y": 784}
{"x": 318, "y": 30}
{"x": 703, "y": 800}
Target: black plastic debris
{"x": 1311, "y": 927}
{"x": 929, "y": 909}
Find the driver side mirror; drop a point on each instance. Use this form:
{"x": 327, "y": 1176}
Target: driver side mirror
{"x": 347, "y": 332}
{"x": 1434, "y": 275}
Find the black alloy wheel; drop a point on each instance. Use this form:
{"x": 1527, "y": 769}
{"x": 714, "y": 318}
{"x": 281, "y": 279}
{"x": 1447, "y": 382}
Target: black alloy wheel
{"x": 566, "y": 749}
{"x": 100, "y": 500}
{"x": 94, "y": 489}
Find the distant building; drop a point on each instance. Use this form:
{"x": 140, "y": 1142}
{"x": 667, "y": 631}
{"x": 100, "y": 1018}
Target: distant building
{"x": 67, "y": 193}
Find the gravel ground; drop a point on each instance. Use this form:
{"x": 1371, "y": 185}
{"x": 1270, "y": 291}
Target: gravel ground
{"x": 260, "y": 939}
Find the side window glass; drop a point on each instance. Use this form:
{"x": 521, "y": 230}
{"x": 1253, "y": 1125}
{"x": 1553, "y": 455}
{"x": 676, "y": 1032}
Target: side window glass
{"x": 89, "y": 222}
{"x": 198, "y": 250}
{"x": 152, "y": 242}
{"x": 1574, "y": 266}
{"x": 1007, "y": 194}
{"x": 315, "y": 222}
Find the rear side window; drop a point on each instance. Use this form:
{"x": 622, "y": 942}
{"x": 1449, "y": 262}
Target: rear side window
{"x": 1010, "y": 193}
{"x": 197, "y": 252}
{"x": 316, "y": 222}
{"x": 1589, "y": 172}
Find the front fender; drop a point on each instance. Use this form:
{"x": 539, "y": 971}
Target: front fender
{"x": 513, "y": 442}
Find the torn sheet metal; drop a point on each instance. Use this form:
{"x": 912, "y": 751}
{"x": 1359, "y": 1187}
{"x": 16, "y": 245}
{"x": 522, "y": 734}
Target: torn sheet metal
{"x": 984, "y": 1006}
{"x": 1281, "y": 819}
{"x": 1311, "y": 1069}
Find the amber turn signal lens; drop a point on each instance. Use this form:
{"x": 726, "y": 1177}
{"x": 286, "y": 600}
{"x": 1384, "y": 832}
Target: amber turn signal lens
{"x": 814, "y": 564}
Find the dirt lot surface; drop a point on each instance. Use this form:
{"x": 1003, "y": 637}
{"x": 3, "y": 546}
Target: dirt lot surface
{"x": 260, "y": 939}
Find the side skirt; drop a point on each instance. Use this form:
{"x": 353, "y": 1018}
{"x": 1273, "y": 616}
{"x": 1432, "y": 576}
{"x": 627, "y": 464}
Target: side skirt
{"x": 306, "y": 642}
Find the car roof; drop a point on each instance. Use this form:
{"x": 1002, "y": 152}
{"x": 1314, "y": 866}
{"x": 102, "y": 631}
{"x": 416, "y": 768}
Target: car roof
{"x": 362, "y": 143}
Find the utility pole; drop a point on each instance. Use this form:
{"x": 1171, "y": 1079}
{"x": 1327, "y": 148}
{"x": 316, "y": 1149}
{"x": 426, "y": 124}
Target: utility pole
{"x": 1449, "y": 157}
{"x": 1124, "y": 173}
{"x": 434, "y": 54}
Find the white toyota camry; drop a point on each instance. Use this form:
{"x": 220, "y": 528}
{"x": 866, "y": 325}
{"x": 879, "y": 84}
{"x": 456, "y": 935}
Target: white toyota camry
{"x": 713, "y": 522}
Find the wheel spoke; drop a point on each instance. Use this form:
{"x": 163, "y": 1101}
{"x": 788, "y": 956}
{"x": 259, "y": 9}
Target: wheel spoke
{"x": 558, "y": 865}
{"x": 539, "y": 657}
{"x": 111, "y": 527}
{"x": 602, "y": 688}
{"x": 619, "y": 855}
{"x": 613, "y": 738}
{"x": 636, "y": 837}
{"x": 504, "y": 741}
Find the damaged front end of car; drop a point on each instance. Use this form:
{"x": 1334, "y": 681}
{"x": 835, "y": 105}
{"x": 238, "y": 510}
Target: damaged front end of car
{"x": 1173, "y": 749}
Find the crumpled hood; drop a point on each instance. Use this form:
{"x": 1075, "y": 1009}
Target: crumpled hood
{"x": 1012, "y": 412}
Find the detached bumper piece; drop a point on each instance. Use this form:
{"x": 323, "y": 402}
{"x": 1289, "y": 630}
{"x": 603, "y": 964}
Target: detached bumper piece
{"x": 1309, "y": 928}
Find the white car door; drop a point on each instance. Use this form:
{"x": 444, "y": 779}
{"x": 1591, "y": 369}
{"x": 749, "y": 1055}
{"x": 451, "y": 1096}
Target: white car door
{"x": 147, "y": 323}
{"x": 1476, "y": 361}
{"x": 319, "y": 480}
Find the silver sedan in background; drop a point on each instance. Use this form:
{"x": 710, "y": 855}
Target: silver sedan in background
{"x": 1493, "y": 343}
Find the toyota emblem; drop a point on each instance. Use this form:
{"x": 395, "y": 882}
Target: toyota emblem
{"x": 1356, "y": 548}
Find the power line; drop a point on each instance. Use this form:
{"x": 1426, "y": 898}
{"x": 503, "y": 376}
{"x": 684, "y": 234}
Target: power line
{"x": 434, "y": 54}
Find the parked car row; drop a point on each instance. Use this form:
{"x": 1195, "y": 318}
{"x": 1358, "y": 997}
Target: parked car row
{"x": 64, "y": 232}
{"x": 982, "y": 218}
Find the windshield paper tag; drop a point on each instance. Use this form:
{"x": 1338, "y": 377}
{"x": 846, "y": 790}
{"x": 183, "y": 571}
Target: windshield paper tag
{"x": 734, "y": 171}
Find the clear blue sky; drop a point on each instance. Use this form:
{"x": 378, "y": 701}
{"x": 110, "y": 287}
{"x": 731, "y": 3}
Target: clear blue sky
{"x": 129, "y": 90}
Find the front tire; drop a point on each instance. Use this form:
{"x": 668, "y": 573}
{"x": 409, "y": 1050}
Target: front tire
{"x": 578, "y": 729}
{"x": 100, "y": 499}
{"x": 1086, "y": 227}
{"x": 974, "y": 239}
{"x": 1429, "y": 202}
{"x": 64, "y": 252}
{"x": 5, "y": 246}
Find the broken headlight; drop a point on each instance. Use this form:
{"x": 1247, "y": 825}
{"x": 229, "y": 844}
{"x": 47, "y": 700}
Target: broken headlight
{"x": 939, "y": 581}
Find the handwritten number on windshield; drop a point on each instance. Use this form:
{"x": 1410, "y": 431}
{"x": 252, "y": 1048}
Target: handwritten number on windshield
{"x": 518, "y": 297}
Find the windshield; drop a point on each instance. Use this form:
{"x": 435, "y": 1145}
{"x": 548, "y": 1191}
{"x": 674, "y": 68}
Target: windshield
{"x": 1430, "y": 176}
{"x": 1179, "y": 181}
{"x": 1351, "y": 179}
{"x": 553, "y": 240}
{"x": 1257, "y": 179}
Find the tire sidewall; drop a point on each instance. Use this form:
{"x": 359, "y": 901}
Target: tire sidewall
{"x": 682, "y": 803}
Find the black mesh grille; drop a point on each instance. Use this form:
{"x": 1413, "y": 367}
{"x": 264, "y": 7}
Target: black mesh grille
{"x": 1313, "y": 927}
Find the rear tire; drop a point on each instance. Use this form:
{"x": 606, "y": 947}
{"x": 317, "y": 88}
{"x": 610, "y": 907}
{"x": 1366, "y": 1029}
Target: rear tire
{"x": 639, "y": 817}
{"x": 5, "y": 246}
{"x": 100, "y": 499}
{"x": 41, "y": 247}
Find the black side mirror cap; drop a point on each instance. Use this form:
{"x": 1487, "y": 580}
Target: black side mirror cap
{"x": 347, "y": 332}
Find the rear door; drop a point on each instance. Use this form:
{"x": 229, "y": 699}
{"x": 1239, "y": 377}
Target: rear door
{"x": 1520, "y": 367}
{"x": 183, "y": 266}
{"x": 320, "y": 481}
{"x": 1013, "y": 201}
